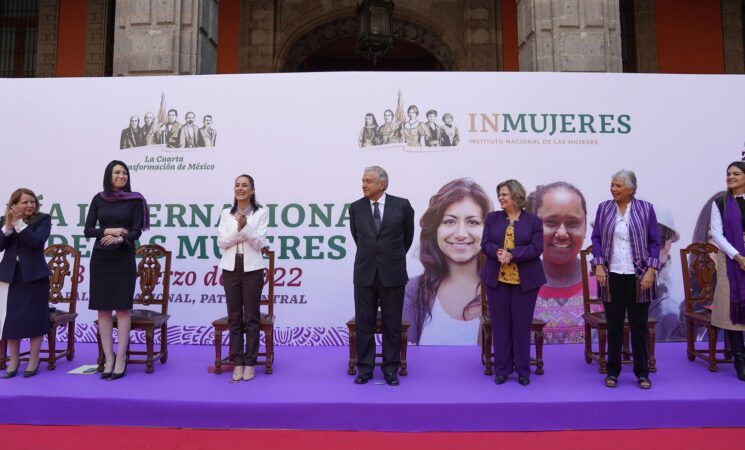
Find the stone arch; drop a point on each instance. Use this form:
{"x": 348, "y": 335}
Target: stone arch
{"x": 311, "y": 39}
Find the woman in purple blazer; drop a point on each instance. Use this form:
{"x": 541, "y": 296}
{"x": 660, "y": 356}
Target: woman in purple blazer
{"x": 512, "y": 274}
{"x": 626, "y": 252}
{"x": 24, "y": 279}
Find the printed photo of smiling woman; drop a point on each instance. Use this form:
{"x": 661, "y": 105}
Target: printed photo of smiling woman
{"x": 443, "y": 303}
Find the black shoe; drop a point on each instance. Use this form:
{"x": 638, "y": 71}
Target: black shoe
{"x": 116, "y": 376}
{"x": 523, "y": 380}
{"x": 500, "y": 379}
{"x": 31, "y": 373}
{"x": 391, "y": 379}
{"x": 362, "y": 379}
{"x": 107, "y": 375}
{"x": 10, "y": 373}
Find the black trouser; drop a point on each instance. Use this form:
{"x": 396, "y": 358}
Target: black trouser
{"x": 243, "y": 297}
{"x": 735, "y": 339}
{"x": 622, "y": 302}
{"x": 366, "y": 300}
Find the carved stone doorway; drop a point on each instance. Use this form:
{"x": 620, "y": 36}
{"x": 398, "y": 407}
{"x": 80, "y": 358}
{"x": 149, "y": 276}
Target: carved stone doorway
{"x": 330, "y": 47}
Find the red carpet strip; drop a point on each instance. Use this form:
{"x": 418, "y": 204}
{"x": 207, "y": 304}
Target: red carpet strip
{"x": 93, "y": 437}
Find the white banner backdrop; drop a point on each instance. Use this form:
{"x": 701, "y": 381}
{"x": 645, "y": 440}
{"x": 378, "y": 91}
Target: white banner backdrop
{"x": 303, "y": 139}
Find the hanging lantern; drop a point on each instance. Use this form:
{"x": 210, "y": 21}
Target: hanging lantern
{"x": 375, "y": 18}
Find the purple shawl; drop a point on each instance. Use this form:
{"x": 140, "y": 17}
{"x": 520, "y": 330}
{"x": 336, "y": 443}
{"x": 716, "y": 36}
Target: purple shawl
{"x": 120, "y": 195}
{"x": 736, "y": 277}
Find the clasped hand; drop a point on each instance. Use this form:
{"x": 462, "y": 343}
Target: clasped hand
{"x": 504, "y": 256}
{"x": 112, "y": 236}
{"x": 241, "y": 218}
{"x": 12, "y": 215}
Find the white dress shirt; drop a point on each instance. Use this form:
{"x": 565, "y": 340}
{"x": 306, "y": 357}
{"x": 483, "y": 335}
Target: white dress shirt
{"x": 621, "y": 259}
{"x": 717, "y": 231}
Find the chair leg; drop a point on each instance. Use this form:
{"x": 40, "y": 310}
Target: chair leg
{"x": 602, "y": 335}
{"x": 52, "y": 343}
{"x": 488, "y": 350}
{"x": 652, "y": 359}
{"x": 588, "y": 343}
{"x": 101, "y": 357}
{"x": 218, "y": 351}
{"x": 712, "y": 356}
{"x": 484, "y": 343}
{"x": 163, "y": 343}
{"x": 352, "y": 352}
{"x": 539, "y": 353}
{"x": 3, "y": 354}
{"x": 70, "y": 354}
{"x": 149, "y": 344}
{"x": 690, "y": 338}
{"x": 404, "y": 345}
{"x": 626, "y": 352}
{"x": 269, "y": 338}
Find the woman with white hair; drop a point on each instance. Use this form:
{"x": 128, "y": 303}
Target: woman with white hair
{"x": 626, "y": 252}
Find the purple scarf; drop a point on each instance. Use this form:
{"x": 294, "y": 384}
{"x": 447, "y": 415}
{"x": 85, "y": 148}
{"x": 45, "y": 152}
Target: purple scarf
{"x": 117, "y": 196}
{"x": 735, "y": 275}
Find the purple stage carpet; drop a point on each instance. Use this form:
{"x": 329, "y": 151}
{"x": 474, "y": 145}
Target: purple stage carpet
{"x": 445, "y": 390}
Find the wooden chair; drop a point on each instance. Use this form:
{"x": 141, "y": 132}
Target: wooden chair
{"x": 154, "y": 273}
{"x": 486, "y": 336}
{"x": 266, "y": 358}
{"x": 697, "y": 262}
{"x": 64, "y": 264}
{"x": 595, "y": 320}
{"x": 352, "y": 328}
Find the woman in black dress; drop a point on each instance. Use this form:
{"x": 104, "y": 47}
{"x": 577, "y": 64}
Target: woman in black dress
{"x": 24, "y": 278}
{"x": 116, "y": 218}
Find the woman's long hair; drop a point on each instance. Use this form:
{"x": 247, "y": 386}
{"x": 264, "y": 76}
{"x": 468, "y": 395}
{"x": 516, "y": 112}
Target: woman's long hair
{"x": 15, "y": 197}
{"x": 254, "y": 204}
{"x": 430, "y": 255}
{"x": 109, "y": 171}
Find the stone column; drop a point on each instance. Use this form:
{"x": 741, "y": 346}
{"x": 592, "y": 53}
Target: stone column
{"x": 481, "y": 34}
{"x": 165, "y": 37}
{"x": 646, "y": 36}
{"x": 732, "y": 31}
{"x": 96, "y": 34}
{"x": 569, "y": 35}
{"x": 257, "y": 36}
{"x": 46, "y": 44}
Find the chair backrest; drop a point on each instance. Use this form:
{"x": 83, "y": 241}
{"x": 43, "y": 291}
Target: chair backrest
{"x": 269, "y": 281}
{"x": 154, "y": 273}
{"x": 588, "y": 300}
{"x": 699, "y": 274}
{"x": 62, "y": 269}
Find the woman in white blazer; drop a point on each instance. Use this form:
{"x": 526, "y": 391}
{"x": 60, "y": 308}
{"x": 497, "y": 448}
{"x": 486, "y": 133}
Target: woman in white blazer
{"x": 240, "y": 236}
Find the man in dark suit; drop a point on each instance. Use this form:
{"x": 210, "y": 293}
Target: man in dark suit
{"x": 382, "y": 226}
{"x": 169, "y": 132}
